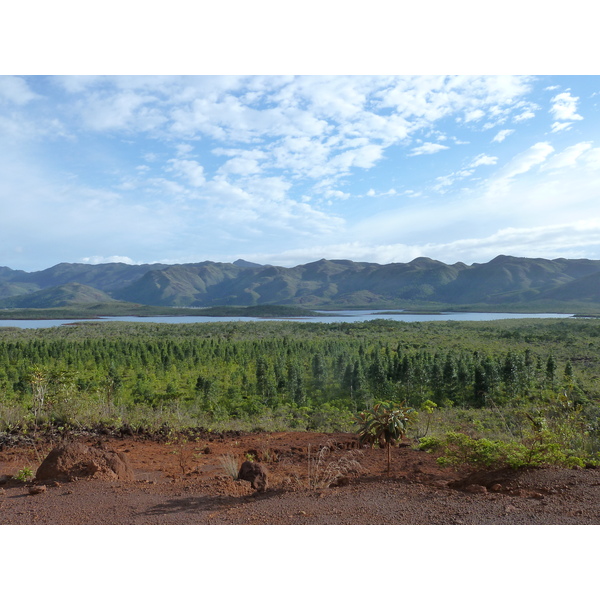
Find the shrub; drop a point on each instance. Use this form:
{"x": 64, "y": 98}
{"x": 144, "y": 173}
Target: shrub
{"x": 24, "y": 475}
{"x": 460, "y": 449}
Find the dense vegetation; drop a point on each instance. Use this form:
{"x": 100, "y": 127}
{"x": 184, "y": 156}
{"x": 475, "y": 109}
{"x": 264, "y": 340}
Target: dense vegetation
{"x": 493, "y": 378}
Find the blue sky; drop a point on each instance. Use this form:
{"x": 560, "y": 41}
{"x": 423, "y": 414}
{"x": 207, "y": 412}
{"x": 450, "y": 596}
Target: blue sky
{"x": 291, "y": 169}
{"x": 236, "y": 162}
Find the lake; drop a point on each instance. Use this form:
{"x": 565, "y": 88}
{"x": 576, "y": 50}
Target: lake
{"x": 346, "y": 316}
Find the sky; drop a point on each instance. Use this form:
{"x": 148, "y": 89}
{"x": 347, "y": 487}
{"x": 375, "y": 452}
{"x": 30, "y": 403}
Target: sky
{"x": 290, "y": 169}
{"x": 270, "y": 157}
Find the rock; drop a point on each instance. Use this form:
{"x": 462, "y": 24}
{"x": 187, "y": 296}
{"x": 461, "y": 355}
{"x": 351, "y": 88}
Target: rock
{"x": 72, "y": 461}
{"x": 441, "y": 483}
{"x": 37, "y": 489}
{"x": 476, "y": 489}
{"x": 497, "y": 487}
{"x": 4, "y": 479}
{"x": 255, "y": 473}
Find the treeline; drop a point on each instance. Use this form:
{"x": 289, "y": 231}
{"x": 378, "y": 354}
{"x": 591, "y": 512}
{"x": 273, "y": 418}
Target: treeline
{"x": 307, "y": 375}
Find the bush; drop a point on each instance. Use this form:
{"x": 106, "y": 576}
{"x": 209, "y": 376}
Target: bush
{"x": 460, "y": 449}
{"x": 24, "y": 475}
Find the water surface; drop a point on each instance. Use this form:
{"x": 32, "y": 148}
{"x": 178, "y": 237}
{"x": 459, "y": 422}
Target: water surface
{"x": 346, "y": 316}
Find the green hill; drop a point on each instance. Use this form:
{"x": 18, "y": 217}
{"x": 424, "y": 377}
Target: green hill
{"x": 57, "y": 296}
{"x": 503, "y": 282}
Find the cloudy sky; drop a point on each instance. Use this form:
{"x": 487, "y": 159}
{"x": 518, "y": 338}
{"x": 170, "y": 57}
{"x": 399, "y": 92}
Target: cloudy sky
{"x": 291, "y": 169}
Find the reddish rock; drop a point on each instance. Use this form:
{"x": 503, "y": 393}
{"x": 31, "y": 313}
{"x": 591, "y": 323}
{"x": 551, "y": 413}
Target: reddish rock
{"x": 72, "y": 461}
{"x": 255, "y": 473}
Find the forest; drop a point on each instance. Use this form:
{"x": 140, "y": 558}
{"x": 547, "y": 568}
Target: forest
{"x": 481, "y": 378}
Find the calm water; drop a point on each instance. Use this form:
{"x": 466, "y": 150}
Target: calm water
{"x": 349, "y": 316}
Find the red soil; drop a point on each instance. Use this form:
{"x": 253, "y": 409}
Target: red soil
{"x": 185, "y": 483}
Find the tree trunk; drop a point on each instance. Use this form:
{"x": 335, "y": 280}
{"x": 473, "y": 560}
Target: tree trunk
{"x": 389, "y": 457}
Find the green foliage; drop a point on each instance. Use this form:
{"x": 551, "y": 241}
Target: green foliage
{"x": 24, "y": 475}
{"x": 385, "y": 423}
{"x": 459, "y": 449}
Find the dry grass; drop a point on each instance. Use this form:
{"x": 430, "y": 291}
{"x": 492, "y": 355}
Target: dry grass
{"x": 324, "y": 470}
{"x": 230, "y": 464}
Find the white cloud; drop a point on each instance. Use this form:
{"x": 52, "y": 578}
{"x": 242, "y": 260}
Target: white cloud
{"x": 240, "y": 166}
{"x": 430, "y": 98}
{"x": 16, "y": 90}
{"x": 483, "y": 159}
{"x": 564, "y": 107}
{"x": 428, "y": 148}
{"x": 339, "y": 195}
{"x": 445, "y": 181}
{"x": 568, "y": 240}
{"x": 592, "y": 158}
{"x": 183, "y": 149}
{"x": 568, "y": 157}
{"x": 309, "y": 123}
{"x": 502, "y": 135}
{"x": 524, "y": 161}
{"x": 474, "y": 115}
{"x": 191, "y": 170}
{"x": 524, "y": 116}
{"x": 390, "y": 192}
{"x": 556, "y": 127}
{"x": 364, "y": 157}
{"x": 123, "y": 110}
{"x": 100, "y": 260}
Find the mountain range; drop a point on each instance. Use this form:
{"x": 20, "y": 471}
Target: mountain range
{"x": 505, "y": 281}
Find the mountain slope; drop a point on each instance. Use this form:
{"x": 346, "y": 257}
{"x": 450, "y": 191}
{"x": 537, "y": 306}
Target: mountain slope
{"x": 503, "y": 281}
{"x": 105, "y": 277}
{"x": 62, "y": 295}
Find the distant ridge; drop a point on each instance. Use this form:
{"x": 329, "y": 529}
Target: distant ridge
{"x": 505, "y": 281}
{"x": 244, "y": 264}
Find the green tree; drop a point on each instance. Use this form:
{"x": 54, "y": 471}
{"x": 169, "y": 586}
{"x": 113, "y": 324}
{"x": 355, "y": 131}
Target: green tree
{"x": 386, "y": 423}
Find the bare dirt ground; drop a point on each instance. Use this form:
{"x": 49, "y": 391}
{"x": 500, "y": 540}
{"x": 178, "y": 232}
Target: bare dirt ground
{"x": 314, "y": 479}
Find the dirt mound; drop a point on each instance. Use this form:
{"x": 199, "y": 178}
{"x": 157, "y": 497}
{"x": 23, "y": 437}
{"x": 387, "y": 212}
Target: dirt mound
{"x": 76, "y": 460}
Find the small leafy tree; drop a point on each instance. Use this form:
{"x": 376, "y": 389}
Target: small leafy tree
{"x": 386, "y": 423}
